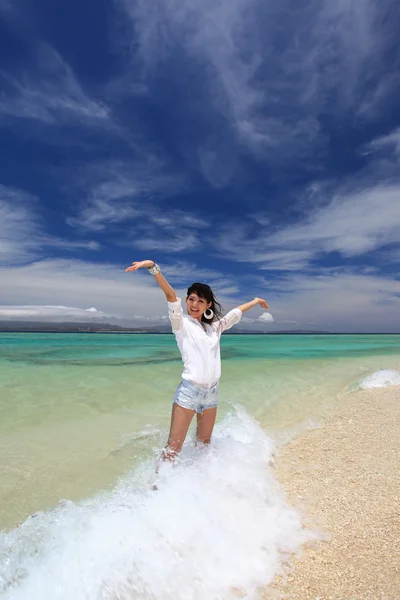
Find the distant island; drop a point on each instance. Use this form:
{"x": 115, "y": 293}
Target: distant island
{"x": 67, "y": 327}
{"x": 92, "y": 327}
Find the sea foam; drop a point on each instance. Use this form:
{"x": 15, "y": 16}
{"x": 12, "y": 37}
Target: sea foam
{"x": 218, "y": 527}
{"x": 382, "y": 378}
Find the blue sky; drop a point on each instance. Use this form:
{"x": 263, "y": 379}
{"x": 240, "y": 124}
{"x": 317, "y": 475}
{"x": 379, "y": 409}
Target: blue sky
{"x": 249, "y": 144}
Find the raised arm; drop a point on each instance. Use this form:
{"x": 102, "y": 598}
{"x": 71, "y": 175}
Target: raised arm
{"x": 252, "y": 303}
{"x": 175, "y": 311}
{"x": 158, "y": 276}
{"x": 234, "y": 315}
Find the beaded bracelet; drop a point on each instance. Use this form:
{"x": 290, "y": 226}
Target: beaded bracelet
{"x": 154, "y": 269}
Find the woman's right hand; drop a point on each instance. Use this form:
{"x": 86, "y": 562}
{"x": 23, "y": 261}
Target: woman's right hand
{"x": 139, "y": 265}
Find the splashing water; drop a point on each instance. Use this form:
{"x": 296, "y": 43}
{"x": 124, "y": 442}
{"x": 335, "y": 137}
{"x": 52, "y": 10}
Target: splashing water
{"x": 217, "y": 527}
{"x": 382, "y": 378}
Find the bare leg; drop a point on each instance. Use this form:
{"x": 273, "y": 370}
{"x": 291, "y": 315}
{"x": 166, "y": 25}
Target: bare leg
{"x": 180, "y": 421}
{"x": 205, "y": 425}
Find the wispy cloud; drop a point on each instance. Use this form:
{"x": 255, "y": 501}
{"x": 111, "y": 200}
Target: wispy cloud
{"x": 19, "y": 226}
{"x": 132, "y": 197}
{"x": 269, "y": 70}
{"x": 23, "y": 237}
{"x": 49, "y": 93}
{"x": 351, "y": 225}
{"x": 215, "y": 37}
{"x": 172, "y": 231}
{"x": 178, "y": 241}
{"x": 390, "y": 142}
{"x": 239, "y": 242}
{"x": 183, "y": 273}
{"x": 118, "y": 191}
{"x": 51, "y": 313}
{"x": 50, "y": 241}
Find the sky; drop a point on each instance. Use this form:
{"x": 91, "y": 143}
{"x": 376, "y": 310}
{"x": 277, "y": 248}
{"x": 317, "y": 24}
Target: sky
{"x": 248, "y": 144}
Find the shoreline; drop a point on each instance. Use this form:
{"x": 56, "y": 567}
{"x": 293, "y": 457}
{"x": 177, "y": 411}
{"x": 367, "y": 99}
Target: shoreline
{"x": 344, "y": 479}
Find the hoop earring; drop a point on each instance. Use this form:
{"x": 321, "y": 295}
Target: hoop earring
{"x": 208, "y": 313}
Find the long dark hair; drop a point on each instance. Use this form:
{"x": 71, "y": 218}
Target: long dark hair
{"x": 204, "y": 291}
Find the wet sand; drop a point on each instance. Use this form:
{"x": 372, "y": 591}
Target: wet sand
{"x": 344, "y": 477}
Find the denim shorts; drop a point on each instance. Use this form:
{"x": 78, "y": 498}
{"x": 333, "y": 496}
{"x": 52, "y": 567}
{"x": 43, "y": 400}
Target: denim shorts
{"x": 191, "y": 396}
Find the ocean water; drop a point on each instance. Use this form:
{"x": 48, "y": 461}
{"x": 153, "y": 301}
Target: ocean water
{"x": 82, "y": 420}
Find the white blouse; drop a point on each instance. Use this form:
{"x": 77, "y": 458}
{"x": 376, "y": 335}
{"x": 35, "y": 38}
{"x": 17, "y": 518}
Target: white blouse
{"x": 199, "y": 348}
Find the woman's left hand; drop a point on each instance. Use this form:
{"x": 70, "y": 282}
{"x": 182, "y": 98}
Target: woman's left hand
{"x": 261, "y": 302}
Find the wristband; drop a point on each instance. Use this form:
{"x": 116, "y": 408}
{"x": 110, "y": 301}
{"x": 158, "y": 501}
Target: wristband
{"x": 154, "y": 269}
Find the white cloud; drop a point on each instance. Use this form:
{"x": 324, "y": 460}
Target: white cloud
{"x": 266, "y": 317}
{"x": 50, "y": 313}
{"x": 51, "y": 95}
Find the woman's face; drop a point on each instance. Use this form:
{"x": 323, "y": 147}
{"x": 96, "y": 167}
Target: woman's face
{"x": 196, "y": 306}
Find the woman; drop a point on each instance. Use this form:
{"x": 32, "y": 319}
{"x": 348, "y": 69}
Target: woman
{"x": 197, "y": 336}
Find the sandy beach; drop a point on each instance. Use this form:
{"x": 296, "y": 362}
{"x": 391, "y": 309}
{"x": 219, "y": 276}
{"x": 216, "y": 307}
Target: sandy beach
{"x": 344, "y": 478}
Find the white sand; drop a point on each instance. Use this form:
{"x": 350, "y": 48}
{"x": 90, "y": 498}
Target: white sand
{"x": 345, "y": 479}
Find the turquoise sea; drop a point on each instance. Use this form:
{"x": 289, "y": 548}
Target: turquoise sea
{"x": 82, "y": 420}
